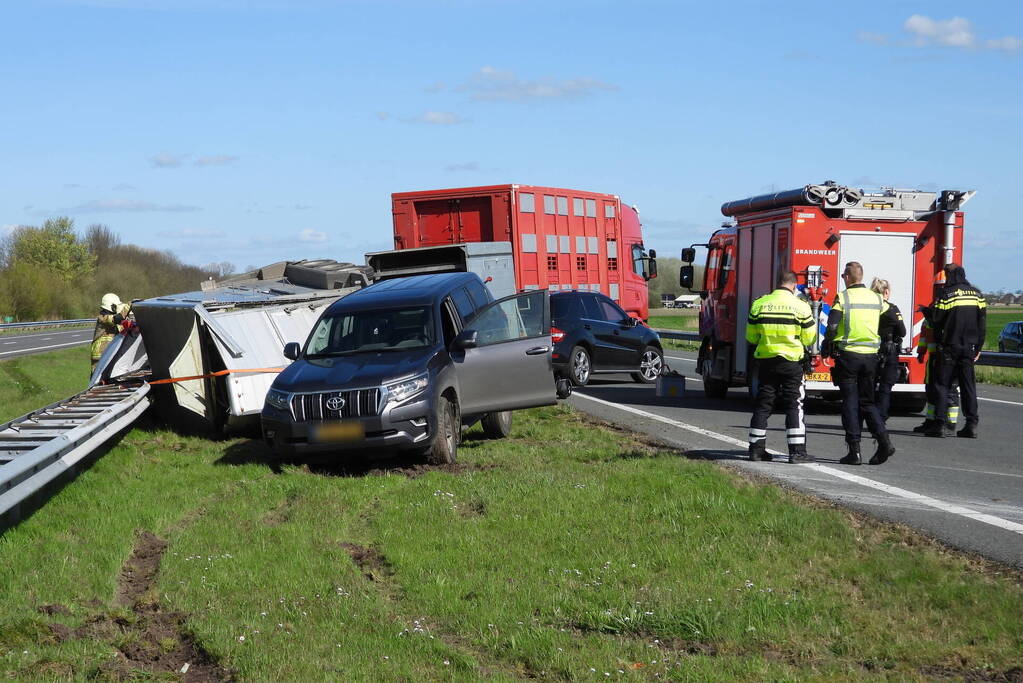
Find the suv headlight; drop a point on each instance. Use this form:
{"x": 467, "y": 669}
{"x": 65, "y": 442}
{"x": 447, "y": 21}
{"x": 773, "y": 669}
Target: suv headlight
{"x": 281, "y": 400}
{"x": 396, "y": 392}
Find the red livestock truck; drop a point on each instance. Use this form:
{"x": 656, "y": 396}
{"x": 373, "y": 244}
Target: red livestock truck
{"x": 558, "y": 239}
{"x": 903, "y": 236}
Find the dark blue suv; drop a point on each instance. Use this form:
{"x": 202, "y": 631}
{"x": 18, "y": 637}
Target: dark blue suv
{"x": 592, "y": 334}
{"x": 405, "y": 363}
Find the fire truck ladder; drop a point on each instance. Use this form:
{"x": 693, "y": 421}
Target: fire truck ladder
{"x": 38, "y": 447}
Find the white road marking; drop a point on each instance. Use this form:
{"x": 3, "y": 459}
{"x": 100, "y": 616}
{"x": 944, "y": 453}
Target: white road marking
{"x": 39, "y": 334}
{"x": 688, "y": 360}
{"x": 40, "y": 348}
{"x": 995, "y": 400}
{"x": 10, "y": 342}
{"x": 964, "y": 469}
{"x": 951, "y": 508}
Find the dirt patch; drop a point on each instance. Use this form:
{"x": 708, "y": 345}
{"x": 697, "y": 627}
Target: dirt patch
{"x": 1013, "y": 675}
{"x": 476, "y": 507}
{"x": 138, "y": 574}
{"x": 370, "y": 561}
{"x": 145, "y": 637}
{"x": 689, "y": 647}
{"x": 281, "y": 513}
{"x": 53, "y": 610}
{"x": 405, "y": 467}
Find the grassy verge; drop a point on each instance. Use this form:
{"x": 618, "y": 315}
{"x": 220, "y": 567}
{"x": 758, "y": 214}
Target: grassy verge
{"x": 30, "y": 382}
{"x": 568, "y": 551}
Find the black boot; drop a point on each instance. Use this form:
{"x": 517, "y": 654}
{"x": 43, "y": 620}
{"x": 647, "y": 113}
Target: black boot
{"x": 797, "y": 455}
{"x": 936, "y": 430}
{"x": 950, "y": 428}
{"x": 853, "y": 457}
{"x": 758, "y": 451}
{"x": 885, "y": 449}
{"x": 923, "y": 427}
{"x": 968, "y": 432}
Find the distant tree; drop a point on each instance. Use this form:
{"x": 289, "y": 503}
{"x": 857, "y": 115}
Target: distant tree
{"x": 55, "y": 247}
{"x": 101, "y": 241}
{"x": 219, "y": 270}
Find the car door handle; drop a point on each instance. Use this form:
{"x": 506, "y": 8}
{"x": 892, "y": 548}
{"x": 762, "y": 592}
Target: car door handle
{"x": 538, "y": 350}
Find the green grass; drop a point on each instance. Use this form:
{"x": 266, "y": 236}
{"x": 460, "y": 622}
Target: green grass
{"x": 566, "y": 551}
{"x": 30, "y": 382}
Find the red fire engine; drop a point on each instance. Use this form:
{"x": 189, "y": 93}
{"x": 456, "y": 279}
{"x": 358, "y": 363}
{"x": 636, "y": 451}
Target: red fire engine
{"x": 903, "y": 236}
{"x": 559, "y": 239}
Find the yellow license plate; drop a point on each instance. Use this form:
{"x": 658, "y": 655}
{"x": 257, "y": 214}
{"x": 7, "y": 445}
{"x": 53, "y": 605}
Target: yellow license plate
{"x": 337, "y": 432}
{"x": 818, "y": 376}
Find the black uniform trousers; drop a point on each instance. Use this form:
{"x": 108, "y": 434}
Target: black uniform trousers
{"x": 957, "y": 365}
{"x": 781, "y": 387}
{"x": 854, "y": 373}
{"x": 887, "y": 376}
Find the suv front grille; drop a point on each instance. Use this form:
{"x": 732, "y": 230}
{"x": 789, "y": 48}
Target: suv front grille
{"x": 357, "y": 403}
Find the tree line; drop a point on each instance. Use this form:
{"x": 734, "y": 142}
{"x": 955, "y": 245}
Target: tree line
{"x": 52, "y": 272}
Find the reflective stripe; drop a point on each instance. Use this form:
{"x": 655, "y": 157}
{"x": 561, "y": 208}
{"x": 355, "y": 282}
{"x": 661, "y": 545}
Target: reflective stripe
{"x": 796, "y": 431}
{"x": 795, "y": 440}
{"x": 757, "y": 432}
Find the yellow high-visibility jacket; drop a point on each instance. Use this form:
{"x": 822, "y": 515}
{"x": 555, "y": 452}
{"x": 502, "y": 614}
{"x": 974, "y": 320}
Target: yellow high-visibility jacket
{"x": 857, "y": 312}
{"x": 780, "y": 324}
{"x": 107, "y": 325}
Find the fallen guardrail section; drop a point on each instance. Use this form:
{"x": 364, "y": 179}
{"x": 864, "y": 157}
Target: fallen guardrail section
{"x": 45, "y": 323}
{"x": 38, "y": 447}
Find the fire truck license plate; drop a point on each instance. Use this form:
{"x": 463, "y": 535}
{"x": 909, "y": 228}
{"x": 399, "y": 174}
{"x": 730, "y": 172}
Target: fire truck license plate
{"x": 818, "y": 377}
{"x": 335, "y": 432}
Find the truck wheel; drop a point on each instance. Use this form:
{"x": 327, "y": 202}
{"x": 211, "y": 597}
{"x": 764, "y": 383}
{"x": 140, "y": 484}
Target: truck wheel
{"x": 579, "y": 366}
{"x": 713, "y": 387}
{"x": 650, "y": 365}
{"x": 497, "y": 425}
{"x": 445, "y": 444}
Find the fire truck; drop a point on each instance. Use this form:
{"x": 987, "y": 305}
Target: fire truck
{"x": 557, "y": 239}
{"x": 903, "y": 236}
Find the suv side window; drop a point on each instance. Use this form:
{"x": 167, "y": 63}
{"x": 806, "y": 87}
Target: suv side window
{"x": 518, "y": 317}
{"x": 566, "y": 307}
{"x": 463, "y": 304}
{"x": 611, "y": 311}
{"x": 447, "y": 323}
{"x": 591, "y": 309}
{"x": 480, "y": 294}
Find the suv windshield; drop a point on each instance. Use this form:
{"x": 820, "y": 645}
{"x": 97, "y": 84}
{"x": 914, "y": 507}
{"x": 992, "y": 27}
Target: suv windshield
{"x": 396, "y": 329}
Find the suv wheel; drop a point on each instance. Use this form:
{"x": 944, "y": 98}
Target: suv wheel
{"x": 650, "y": 365}
{"x": 445, "y": 444}
{"x": 579, "y": 366}
{"x": 497, "y": 425}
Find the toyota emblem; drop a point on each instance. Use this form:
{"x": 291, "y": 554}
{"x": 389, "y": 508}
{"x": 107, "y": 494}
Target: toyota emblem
{"x": 336, "y": 402}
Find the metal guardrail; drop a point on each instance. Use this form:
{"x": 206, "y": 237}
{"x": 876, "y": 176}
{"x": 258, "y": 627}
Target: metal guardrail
{"x": 38, "y": 447}
{"x": 989, "y": 358}
{"x": 45, "y": 323}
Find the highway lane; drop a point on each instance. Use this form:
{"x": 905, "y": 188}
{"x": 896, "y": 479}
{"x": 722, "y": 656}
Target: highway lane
{"x": 23, "y": 344}
{"x": 966, "y": 493}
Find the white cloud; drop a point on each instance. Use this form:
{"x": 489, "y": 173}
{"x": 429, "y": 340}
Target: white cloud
{"x": 437, "y": 118}
{"x": 873, "y": 38}
{"x": 954, "y": 32}
{"x": 490, "y": 84}
{"x": 126, "y": 206}
{"x": 467, "y": 166}
{"x": 167, "y": 160}
{"x": 1008, "y": 44}
{"x": 6, "y": 230}
{"x": 382, "y": 115}
{"x": 216, "y": 160}
{"x": 309, "y": 236}
{"x": 193, "y": 233}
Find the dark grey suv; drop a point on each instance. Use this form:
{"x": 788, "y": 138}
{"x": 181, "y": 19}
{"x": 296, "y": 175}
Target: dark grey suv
{"x": 405, "y": 363}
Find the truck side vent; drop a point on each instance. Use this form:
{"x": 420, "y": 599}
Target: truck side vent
{"x": 552, "y": 263}
{"x": 612, "y": 264}
{"x": 580, "y": 263}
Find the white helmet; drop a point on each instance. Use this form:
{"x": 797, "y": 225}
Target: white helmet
{"x": 110, "y": 302}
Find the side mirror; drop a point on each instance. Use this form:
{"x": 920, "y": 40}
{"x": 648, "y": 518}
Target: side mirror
{"x": 653, "y": 253}
{"x": 629, "y": 321}
{"x": 651, "y": 268}
{"x": 291, "y": 350}
{"x": 466, "y": 339}
{"x": 685, "y": 277}
{"x": 689, "y": 254}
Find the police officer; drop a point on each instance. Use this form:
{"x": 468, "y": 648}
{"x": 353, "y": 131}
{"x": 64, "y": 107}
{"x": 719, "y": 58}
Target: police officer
{"x": 112, "y": 318}
{"x": 853, "y": 341}
{"x": 781, "y": 327}
{"x": 960, "y": 320}
{"x": 927, "y": 352}
{"x": 891, "y": 329}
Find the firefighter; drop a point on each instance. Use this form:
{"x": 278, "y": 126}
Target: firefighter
{"x": 112, "y": 319}
{"x": 891, "y": 330}
{"x": 852, "y": 340}
{"x": 780, "y": 327}
{"x": 927, "y": 351}
{"x": 960, "y": 325}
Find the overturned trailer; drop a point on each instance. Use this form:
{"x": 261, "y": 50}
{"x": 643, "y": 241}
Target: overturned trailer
{"x": 213, "y": 353}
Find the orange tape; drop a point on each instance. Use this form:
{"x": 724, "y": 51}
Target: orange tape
{"x": 218, "y": 373}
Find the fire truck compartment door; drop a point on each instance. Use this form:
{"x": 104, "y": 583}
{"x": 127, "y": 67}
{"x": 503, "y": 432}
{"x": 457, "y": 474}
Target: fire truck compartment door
{"x": 887, "y": 255}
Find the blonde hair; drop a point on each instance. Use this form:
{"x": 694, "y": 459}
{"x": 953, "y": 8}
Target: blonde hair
{"x": 880, "y": 286}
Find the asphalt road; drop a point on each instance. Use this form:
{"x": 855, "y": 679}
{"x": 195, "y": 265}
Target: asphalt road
{"x": 22, "y": 344}
{"x": 967, "y": 493}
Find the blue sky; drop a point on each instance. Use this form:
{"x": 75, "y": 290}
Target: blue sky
{"x": 255, "y": 131}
